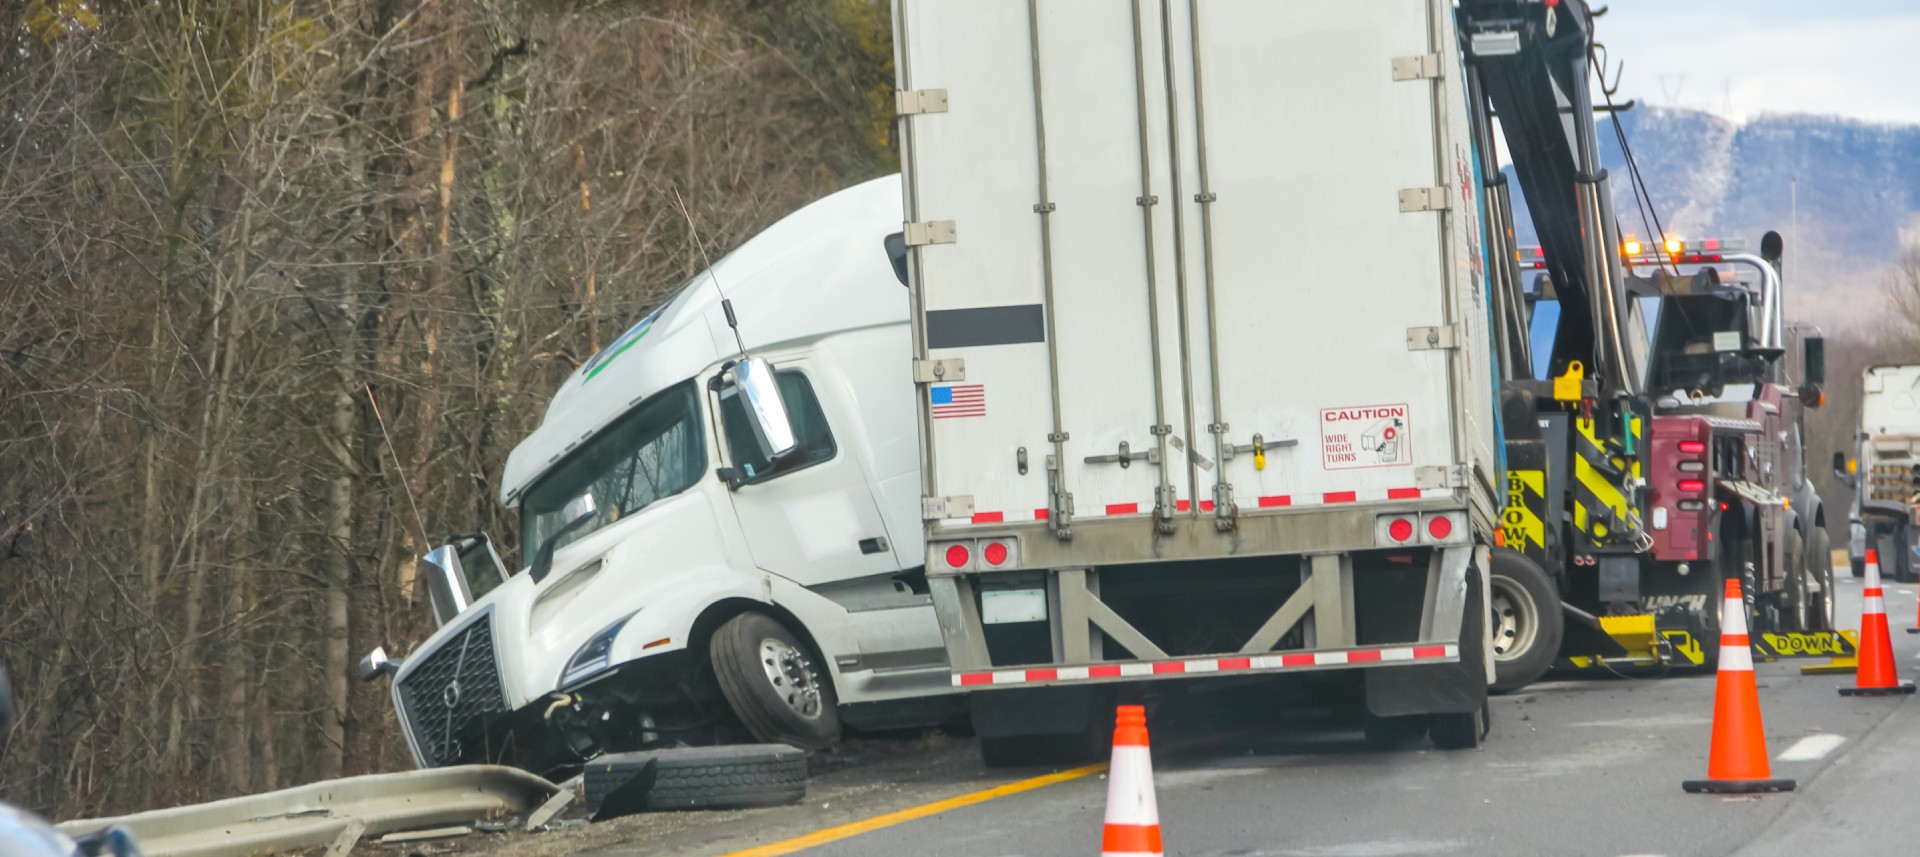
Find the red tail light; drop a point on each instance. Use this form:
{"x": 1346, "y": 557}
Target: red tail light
{"x": 957, "y": 556}
{"x": 995, "y": 553}
{"x": 1439, "y": 527}
{"x": 1693, "y": 486}
{"x": 1401, "y": 529}
{"x": 1693, "y": 446}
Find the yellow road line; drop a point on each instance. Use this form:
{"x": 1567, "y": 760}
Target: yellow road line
{"x": 834, "y": 834}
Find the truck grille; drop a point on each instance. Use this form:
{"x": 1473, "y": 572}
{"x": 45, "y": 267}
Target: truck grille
{"x": 448, "y": 698}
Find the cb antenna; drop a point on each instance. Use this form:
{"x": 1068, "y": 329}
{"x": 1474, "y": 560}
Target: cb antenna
{"x": 726, "y": 306}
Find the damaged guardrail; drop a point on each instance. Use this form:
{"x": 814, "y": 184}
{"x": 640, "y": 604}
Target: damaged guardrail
{"x": 333, "y": 813}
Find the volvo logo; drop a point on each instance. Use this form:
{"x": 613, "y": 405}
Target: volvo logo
{"x": 451, "y": 696}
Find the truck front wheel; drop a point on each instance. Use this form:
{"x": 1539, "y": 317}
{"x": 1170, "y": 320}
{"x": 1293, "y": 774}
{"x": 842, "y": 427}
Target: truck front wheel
{"x": 773, "y": 684}
{"x": 1527, "y": 622}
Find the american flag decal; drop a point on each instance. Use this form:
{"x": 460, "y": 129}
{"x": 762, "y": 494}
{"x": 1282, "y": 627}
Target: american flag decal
{"x": 955, "y": 401}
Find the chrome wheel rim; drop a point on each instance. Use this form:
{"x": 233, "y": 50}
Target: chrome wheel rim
{"x": 1516, "y": 619}
{"x": 792, "y": 676}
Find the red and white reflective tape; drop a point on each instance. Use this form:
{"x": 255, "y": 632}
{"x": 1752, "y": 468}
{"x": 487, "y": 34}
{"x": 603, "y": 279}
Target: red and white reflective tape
{"x": 1736, "y": 650}
{"x": 1190, "y": 666}
{"x": 1270, "y": 501}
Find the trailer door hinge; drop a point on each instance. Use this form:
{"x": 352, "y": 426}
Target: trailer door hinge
{"x": 911, "y": 102}
{"x": 939, "y": 371}
{"x": 1449, "y": 476}
{"x": 1446, "y": 336}
{"x": 1421, "y": 199}
{"x": 937, "y": 508}
{"x": 930, "y": 232}
{"x": 1419, "y": 67}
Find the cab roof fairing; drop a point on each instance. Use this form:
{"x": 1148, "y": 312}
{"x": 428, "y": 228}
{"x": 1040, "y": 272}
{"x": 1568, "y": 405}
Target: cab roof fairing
{"x": 820, "y": 270}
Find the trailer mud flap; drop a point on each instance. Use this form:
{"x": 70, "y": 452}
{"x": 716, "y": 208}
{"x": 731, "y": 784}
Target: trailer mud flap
{"x": 1449, "y": 688}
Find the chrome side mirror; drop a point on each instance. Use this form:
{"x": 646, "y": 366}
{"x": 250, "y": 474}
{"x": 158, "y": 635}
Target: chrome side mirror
{"x": 772, "y": 428}
{"x": 578, "y": 512}
{"x": 446, "y": 583}
{"x": 376, "y": 664}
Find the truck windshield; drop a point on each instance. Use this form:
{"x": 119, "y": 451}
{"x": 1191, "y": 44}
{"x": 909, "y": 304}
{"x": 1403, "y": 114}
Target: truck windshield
{"x": 654, "y": 451}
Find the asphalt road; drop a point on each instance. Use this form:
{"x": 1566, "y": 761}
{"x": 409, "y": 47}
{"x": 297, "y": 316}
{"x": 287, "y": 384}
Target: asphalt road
{"x": 1573, "y": 766}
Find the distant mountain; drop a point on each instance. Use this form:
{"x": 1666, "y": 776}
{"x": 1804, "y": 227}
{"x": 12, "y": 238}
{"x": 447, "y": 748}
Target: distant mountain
{"x": 1859, "y": 193}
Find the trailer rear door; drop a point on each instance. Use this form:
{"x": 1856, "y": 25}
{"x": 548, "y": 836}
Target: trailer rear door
{"x": 1157, "y": 207}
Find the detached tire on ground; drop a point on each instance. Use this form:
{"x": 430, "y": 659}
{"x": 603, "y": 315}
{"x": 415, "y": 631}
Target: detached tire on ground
{"x": 774, "y": 684}
{"x": 730, "y": 777}
{"x": 1527, "y": 622}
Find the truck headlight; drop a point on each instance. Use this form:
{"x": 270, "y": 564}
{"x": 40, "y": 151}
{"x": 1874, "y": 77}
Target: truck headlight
{"x": 594, "y": 655}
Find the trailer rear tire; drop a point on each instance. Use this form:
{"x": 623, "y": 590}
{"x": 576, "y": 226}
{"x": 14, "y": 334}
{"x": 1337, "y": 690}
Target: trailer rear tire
{"x": 769, "y": 678}
{"x": 1527, "y": 623}
{"x": 1393, "y": 733}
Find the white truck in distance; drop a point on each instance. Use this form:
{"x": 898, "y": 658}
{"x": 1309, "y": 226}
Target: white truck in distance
{"x": 684, "y": 583}
{"x": 1886, "y": 470}
{"x": 1200, "y": 329}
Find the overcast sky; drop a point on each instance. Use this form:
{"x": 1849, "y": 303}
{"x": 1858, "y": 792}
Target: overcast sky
{"x": 1847, "y": 57}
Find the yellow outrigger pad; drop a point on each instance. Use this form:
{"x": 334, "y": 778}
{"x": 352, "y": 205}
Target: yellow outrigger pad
{"x": 1648, "y": 645}
{"x": 1839, "y": 663}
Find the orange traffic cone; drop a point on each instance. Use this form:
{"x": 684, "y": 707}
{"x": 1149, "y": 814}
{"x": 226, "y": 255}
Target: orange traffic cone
{"x": 1876, "y": 675}
{"x": 1133, "y": 815}
{"x": 1738, "y": 760}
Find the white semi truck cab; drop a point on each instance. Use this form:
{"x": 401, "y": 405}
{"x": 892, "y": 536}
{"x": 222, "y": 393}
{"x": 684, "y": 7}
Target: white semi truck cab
{"x": 700, "y": 564}
{"x": 1201, "y": 344}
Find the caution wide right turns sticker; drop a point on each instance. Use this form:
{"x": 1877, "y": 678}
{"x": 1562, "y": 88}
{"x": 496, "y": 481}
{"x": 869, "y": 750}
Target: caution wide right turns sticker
{"x": 1365, "y": 436}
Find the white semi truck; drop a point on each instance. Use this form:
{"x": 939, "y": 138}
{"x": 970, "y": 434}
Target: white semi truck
{"x": 1885, "y": 470}
{"x": 688, "y": 574}
{"x": 1200, "y": 342}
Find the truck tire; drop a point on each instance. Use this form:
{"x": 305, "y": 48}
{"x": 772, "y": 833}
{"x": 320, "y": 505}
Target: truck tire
{"x": 1820, "y": 568}
{"x": 1798, "y": 607}
{"x": 770, "y": 679}
{"x": 737, "y": 776}
{"x": 1900, "y": 568}
{"x": 1393, "y": 733}
{"x": 1461, "y": 731}
{"x": 1527, "y": 623}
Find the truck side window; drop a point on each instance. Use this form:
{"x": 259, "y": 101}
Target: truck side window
{"x": 814, "y": 442}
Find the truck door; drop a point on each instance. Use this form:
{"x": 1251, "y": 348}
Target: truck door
{"x": 810, "y": 517}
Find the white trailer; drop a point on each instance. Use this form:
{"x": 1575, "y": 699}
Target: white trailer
{"x": 1201, "y": 342}
{"x": 1886, "y": 471}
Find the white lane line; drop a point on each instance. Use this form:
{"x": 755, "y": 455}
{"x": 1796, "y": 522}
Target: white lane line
{"x": 1812, "y": 747}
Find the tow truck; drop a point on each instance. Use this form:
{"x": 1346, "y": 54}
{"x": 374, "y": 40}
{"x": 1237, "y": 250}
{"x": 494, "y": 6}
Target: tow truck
{"x": 1652, "y": 432}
